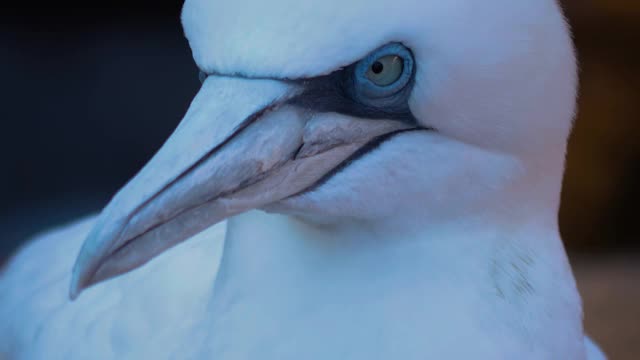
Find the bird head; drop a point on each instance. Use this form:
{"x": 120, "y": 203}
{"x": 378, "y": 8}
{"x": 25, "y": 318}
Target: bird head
{"x": 407, "y": 113}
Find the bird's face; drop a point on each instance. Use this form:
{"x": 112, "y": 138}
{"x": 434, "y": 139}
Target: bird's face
{"x": 334, "y": 112}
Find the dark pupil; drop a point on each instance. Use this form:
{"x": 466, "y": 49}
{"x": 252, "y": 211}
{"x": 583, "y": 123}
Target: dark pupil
{"x": 377, "y": 67}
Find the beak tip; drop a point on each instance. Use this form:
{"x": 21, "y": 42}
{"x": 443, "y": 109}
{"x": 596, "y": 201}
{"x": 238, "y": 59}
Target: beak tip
{"x": 74, "y": 290}
{"x": 77, "y": 286}
{"x": 73, "y": 293}
{"x": 87, "y": 263}
{"x": 79, "y": 282}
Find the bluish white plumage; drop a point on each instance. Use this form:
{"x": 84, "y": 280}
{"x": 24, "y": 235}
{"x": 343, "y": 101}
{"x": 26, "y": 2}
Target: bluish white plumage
{"x": 436, "y": 244}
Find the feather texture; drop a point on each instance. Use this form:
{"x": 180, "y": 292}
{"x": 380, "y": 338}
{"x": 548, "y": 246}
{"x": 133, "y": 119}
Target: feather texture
{"x": 146, "y": 314}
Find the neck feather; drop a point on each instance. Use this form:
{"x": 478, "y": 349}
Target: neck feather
{"x": 279, "y": 274}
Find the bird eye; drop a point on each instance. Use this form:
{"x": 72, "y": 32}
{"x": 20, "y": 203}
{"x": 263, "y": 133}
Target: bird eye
{"x": 386, "y": 70}
{"x": 376, "y": 87}
{"x": 383, "y": 75}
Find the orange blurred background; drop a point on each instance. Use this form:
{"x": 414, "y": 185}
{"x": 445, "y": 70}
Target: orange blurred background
{"x": 602, "y": 184}
{"x": 603, "y": 168}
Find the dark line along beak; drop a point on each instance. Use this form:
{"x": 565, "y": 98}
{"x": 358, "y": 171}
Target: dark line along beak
{"x": 239, "y": 147}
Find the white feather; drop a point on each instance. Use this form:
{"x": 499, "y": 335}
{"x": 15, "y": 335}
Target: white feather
{"x": 437, "y": 245}
{"x": 150, "y": 312}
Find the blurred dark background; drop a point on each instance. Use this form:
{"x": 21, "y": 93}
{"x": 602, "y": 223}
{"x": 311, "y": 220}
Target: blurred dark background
{"x": 88, "y": 93}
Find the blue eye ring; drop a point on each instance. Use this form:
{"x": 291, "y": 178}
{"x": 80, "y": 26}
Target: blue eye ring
{"x": 366, "y": 90}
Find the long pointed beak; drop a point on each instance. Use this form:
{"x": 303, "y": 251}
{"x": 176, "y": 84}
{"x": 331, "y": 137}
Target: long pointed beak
{"x": 239, "y": 147}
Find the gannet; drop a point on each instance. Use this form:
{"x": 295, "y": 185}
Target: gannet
{"x": 354, "y": 180}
